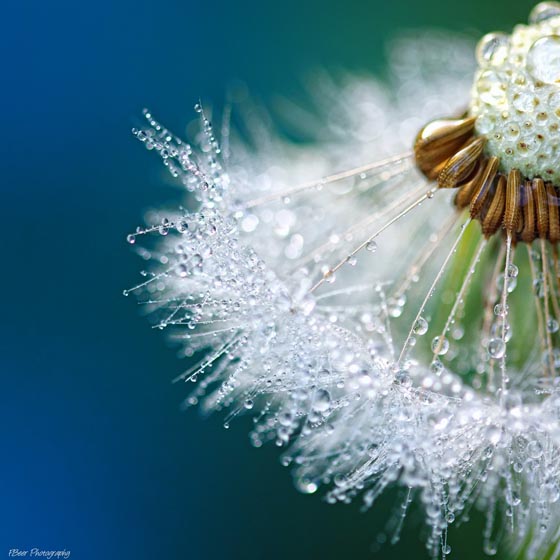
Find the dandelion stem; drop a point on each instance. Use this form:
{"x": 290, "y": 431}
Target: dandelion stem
{"x": 505, "y": 318}
{"x": 546, "y": 287}
{"x": 489, "y": 310}
{"x": 540, "y": 321}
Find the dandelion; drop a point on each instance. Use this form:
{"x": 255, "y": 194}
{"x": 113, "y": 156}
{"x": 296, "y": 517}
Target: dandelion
{"x": 396, "y": 322}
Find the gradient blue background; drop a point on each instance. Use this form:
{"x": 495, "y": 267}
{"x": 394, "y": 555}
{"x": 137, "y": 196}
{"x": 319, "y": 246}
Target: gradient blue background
{"x": 96, "y": 456}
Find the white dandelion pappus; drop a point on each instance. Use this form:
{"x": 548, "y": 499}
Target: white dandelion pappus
{"x": 309, "y": 302}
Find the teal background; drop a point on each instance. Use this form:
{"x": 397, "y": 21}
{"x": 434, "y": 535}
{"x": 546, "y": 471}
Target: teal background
{"x": 96, "y": 456}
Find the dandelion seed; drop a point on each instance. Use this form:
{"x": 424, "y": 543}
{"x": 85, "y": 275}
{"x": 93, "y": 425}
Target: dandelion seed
{"x": 395, "y": 322}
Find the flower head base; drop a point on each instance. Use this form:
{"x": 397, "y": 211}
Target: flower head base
{"x": 372, "y": 328}
{"x": 500, "y": 156}
{"x": 516, "y": 95}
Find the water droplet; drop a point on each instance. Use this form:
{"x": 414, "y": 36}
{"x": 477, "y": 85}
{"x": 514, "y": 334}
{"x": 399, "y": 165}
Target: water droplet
{"x": 500, "y": 310}
{"x": 492, "y": 88}
{"x": 493, "y": 434}
{"x": 524, "y": 101}
{"x": 322, "y": 401}
{"x": 285, "y": 418}
{"x": 436, "y": 367}
{"x": 492, "y": 49}
{"x": 131, "y": 239}
{"x": 371, "y": 246}
{"x": 421, "y": 326}
{"x": 543, "y": 60}
{"x": 249, "y": 403}
{"x": 198, "y": 108}
{"x": 512, "y": 271}
{"x": 403, "y": 378}
{"x": 552, "y": 325}
{"x": 286, "y": 461}
{"x": 306, "y": 486}
{"x": 543, "y": 11}
{"x": 440, "y": 345}
{"x": 553, "y": 492}
{"x": 511, "y": 282}
{"x": 496, "y": 348}
{"x": 182, "y": 226}
{"x": 458, "y": 332}
{"x": 534, "y": 449}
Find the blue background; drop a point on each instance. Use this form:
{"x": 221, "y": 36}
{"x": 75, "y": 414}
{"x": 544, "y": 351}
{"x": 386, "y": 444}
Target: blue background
{"x": 96, "y": 456}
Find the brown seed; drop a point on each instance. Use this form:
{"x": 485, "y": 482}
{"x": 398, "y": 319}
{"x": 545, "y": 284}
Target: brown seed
{"x": 461, "y": 165}
{"x": 553, "y": 223}
{"x": 528, "y": 233}
{"x": 481, "y": 193}
{"x": 541, "y": 198}
{"x": 465, "y": 193}
{"x": 438, "y": 141}
{"x": 513, "y": 201}
{"x": 495, "y": 214}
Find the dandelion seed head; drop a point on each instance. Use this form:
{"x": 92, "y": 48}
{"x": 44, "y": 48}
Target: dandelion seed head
{"x": 338, "y": 312}
{"x": 516, "y": 94}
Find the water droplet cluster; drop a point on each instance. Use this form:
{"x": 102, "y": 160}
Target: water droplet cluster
{"x": 516, "y": 95}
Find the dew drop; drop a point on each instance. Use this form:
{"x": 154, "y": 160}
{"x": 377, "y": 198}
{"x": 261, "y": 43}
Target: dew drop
{"x": 371, "y": 246}
{"x": 534, "y": 449}
{"x": 496, "y": 348}
{"x": 500, "y": 310}
{"x": 436, "y": 367}
{"x": 306, "y": 486}
{"x": 131, "y": 239}
{"x": 440, "y": 345}
{"x": 492, "y": 49}
{"x": 543, "y": 11}
{"x": 403, "y": 378}
{"x": 543, "y": 59}
{"x": 421, "y": 326}
{"x": 322, "y": 401}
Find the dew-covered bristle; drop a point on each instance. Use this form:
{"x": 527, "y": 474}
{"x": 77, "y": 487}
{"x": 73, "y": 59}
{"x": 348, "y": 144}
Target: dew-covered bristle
{"x": 368, "y": 328}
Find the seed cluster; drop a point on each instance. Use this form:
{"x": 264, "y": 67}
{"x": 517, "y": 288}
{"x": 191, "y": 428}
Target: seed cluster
{"x": 516, "y": 96}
